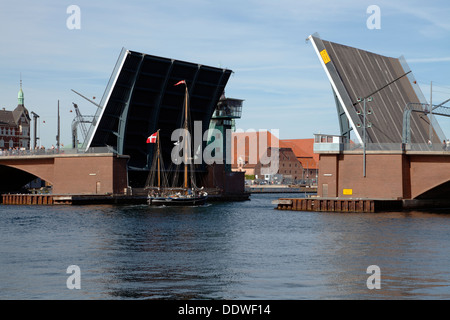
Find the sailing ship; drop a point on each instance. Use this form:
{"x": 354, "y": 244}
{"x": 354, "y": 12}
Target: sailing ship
{"x": 160, "y": 191}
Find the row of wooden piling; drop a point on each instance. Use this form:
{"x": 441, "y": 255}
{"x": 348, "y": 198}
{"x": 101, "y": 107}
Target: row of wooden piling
{"x": 337, "y": 205}
{"x": 51, "y": 199}
{"x": 27, "y": 199}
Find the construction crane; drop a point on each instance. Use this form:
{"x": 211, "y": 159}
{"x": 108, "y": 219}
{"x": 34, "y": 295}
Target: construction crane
{"x": 96, "y": 104}
{"x": 81, "y": 121}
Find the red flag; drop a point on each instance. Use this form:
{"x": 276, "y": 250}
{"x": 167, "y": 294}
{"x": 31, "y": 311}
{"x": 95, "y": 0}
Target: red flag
{"x": 181, "y": 82}
{"x": 152, "y": 138}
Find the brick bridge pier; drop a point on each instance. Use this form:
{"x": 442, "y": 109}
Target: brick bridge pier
{"x": 68, "y": 173}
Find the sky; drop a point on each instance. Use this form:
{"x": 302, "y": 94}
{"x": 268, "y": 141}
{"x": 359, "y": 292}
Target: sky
{"x": 275, "y": 70}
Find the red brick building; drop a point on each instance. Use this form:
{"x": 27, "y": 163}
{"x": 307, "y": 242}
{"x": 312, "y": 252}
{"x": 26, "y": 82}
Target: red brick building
{"x": 297, "y": 161}
{"x": 249, "y": 147}
{"x": 304, "y": 152}
{"x": 15, "y": 126}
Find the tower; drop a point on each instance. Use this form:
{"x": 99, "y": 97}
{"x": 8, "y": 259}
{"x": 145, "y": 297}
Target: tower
{"x": 22, "y": 121}
{"x": 20, "y": 96}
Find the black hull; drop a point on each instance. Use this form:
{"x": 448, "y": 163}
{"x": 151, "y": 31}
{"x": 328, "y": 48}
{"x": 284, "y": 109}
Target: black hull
{"x": 180, "y": 202}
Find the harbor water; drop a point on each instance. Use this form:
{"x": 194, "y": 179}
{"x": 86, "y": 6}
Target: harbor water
{"x": 238, "y": 250}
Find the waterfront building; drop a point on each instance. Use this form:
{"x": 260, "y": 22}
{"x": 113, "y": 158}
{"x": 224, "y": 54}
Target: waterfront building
{"x": 296, "y": 160}
{"x": 15, "y": 126}
{"x": 304, "y": 152}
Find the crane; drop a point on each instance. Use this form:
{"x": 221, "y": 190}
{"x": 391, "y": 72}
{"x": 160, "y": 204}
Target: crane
{"x": 79, "y": 121}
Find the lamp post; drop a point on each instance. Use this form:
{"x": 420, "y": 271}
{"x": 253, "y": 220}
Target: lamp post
{"x": 431, "y": 113}
{"x": 365, "y": 126}
{"x": 35, "y": 117}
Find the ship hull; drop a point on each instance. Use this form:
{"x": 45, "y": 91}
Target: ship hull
{"x": 180, "y": 202}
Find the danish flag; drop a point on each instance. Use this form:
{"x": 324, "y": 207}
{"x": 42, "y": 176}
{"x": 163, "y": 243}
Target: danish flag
{"x": 181, "y": 82}
{"x": 152, "y": 138}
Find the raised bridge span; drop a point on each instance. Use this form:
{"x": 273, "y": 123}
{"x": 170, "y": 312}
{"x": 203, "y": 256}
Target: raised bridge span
{"x": 397, "y": 150}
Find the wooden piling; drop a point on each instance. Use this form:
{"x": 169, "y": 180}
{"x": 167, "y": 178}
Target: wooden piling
{"x": 337, "y": 205}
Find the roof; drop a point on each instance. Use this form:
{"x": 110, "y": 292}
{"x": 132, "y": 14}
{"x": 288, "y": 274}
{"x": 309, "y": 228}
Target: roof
{"x": 7, "y": 118}
{"x": 304, "y": 151}
{"x": 11, "y": 118}
{"x": 302, "y": 148}
{"x": 18, "y": 111}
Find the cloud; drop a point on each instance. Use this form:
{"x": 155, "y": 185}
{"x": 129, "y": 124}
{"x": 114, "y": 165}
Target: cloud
{"x": 429, "y": 60}
{"x": 436, "y": 15}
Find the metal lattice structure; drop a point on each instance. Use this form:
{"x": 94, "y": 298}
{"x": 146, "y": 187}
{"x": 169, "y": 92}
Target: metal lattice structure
{"x": 423, "y": 110}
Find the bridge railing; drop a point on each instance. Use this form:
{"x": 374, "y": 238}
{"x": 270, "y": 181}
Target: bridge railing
{"x": 49, "y": 152}
{"x": 399, "y": 147}
{"x": 339, "y": 147}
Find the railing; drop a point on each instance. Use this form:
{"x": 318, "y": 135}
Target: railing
{"x": 49, "y": 152}
{"x": 339, "y": 147}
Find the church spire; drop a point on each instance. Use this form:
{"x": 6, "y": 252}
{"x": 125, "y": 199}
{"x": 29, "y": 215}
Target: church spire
{"x": 20, "y": 95}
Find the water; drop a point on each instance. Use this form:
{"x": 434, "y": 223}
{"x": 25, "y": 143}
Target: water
{"x": 243, "y": 250}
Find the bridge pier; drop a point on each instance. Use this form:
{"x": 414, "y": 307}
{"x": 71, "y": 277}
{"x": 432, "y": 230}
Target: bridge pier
{"x": 394, "y": 180}
{"x": 67, "y": 173}
{"x": 390, "y": 175}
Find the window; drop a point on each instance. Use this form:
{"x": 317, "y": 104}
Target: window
{"x": 2, "y": 143}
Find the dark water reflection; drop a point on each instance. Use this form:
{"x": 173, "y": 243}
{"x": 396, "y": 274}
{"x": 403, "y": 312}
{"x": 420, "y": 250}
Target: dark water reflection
{"x": 222, "y": 251}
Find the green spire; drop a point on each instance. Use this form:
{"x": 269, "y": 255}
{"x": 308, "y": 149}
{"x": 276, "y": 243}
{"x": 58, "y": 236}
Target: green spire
{"x": 20, "y": 95}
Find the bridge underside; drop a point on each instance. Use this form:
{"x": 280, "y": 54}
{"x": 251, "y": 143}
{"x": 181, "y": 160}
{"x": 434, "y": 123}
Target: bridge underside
{"x": 13, "y": 180}
{"x": 440, "y": 192}
{"x": 141, "y": 98}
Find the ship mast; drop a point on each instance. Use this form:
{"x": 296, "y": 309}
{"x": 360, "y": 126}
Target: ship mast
{"x": 159, "y": 161}
{"x": 185, "y": 140}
